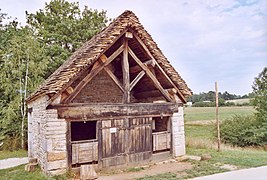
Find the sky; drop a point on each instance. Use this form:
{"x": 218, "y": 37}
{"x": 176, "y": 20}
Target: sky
{"x": 205, "y": 40}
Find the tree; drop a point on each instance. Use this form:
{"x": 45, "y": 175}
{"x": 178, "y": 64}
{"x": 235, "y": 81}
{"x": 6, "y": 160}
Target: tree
{"x": 23, "y": 68}
{"x": 260, "y": 96}
{"x": 63, "y": 27}
{"x": 30, "y": 54}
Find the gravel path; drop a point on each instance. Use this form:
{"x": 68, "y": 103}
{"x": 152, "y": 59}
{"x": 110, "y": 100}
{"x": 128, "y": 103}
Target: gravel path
{"x": 12, "y": 162}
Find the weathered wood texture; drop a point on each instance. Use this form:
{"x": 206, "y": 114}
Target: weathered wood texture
{"x": 116, "y": 150}
{"x": 161, "y": 141}
{"x": 106, "y": 111}
{"x": 87, "y": 172}
{"x": 84, "y": 152}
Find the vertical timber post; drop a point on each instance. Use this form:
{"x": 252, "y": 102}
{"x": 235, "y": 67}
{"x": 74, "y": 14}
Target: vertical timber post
{"x": 125, "y": 71}
{"x": 69, "y": 150}
{"x": 217, "y": 117}
{"x": 126, "y": 94}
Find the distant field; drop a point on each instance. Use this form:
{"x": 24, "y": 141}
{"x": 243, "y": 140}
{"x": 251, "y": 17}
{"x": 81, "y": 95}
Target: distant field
{"x": 208, "y": 113}
{"x": 239, "y": 101}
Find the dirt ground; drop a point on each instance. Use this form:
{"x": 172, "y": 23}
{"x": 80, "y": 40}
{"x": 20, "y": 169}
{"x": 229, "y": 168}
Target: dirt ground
{"x": 150, "y": 170}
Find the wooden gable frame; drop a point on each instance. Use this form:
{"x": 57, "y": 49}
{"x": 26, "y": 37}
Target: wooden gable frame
{"x": 127, "y": 86}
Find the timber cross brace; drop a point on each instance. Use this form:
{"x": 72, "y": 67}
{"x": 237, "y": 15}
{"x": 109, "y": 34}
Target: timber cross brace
{"x": 126, "y": 86}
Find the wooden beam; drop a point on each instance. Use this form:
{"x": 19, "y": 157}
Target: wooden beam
{"x": 80, "y": 73}
{"x": 95, "y": 70}
{"x": 78, "y": 111}
{"x": 125, "y": 73}
{"x": 137, "y": 68}
{"x": 160, "y": 68}
{"x": 114, "y": 78}
{"x": 103, "y": 59}
{"x": 150, "y": 75}
{"x": 137, "y": 79}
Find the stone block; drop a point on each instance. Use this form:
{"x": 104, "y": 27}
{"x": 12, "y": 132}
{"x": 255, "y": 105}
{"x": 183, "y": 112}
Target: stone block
{"x": 179, "y": 150}
{"x": 55, "y": 165}
{"x": 54, "y": 156}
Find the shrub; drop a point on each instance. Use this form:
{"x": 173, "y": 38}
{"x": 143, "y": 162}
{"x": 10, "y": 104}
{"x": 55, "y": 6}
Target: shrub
{"x": 242, "y": 131}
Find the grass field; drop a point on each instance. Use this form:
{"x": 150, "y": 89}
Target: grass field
{"x": 208, "y": 113}
{"x": 13, "y": 154}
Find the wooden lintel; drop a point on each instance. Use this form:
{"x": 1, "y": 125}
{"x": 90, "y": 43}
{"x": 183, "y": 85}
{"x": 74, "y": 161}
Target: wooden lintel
{"x": 97, "y": 67}
{"x": 137, "y": 79}
{"x": 150, "y": 75}
{"x": 137, "y": 68}
{"x": 160, "y": 68}
{"x": 81, "y": 111}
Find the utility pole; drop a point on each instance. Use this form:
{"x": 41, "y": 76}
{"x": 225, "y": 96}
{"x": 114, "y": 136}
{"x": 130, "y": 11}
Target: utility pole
{"x": 217, "y": 117}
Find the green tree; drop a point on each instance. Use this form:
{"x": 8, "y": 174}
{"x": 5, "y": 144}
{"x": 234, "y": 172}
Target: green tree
{"x": 63, "y": 27}
{"x": 260, "y": 97}
{"x": 23, "y": 65}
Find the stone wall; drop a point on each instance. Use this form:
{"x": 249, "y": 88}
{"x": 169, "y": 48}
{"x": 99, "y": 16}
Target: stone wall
{"x": 178, "y": 135}
{"x": 47, "y": 137}
{"x": 100, "y": 89}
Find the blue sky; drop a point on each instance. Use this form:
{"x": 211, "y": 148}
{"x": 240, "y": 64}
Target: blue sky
{"x": 206, "y": 41}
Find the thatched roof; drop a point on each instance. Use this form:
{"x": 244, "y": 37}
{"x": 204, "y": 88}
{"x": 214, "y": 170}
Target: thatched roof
{"x": 90, "y": 51}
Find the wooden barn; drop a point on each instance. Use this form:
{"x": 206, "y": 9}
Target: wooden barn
{"x": 116, "y": 101}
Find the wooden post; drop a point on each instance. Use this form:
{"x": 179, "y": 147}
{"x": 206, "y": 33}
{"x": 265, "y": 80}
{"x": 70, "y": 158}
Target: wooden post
{"x": 217, "y": 117}
{"x": 126, "y": 75}
{"x": 69, "y": 148}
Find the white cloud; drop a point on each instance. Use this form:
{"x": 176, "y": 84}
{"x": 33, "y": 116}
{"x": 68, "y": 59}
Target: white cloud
{"x": 205, "y": 40}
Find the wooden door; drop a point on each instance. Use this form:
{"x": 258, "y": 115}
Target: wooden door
{"x": 112, "y": 137}
{"x": 140, "y": 139}
{"x": 124, "y": 140}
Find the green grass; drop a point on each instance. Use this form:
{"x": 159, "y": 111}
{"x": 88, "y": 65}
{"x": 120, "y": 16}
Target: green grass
{"x": 18, "y": 173}
{"x": 169, "y": 176}
{"x": 202, "y": 168}
{"x": 200, "y": 131}
{"x": 243, "y": 158}
{"x": 208, "y": 113}
{"x": 134, "y": 169}
{"x": 13, "y": 154}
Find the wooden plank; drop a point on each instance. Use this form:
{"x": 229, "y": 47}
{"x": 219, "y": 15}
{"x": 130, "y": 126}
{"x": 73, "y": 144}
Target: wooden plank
{"x": 125, "y": 73}
{"x": 137, "y": 79}
{"x": 95, "y": 70}
{"x": 84, "y": 152}
{"x": 105, "y": 111}
{"x": 160, "y": 68}
{"x": 161, "y": 141}
{"x": 151, "y": 76}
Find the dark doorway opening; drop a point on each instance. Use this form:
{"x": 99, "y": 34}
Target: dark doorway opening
{"x": 83, "y": 130}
